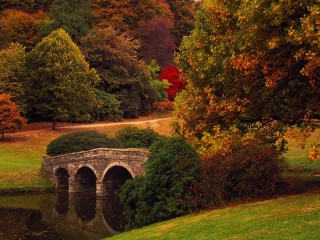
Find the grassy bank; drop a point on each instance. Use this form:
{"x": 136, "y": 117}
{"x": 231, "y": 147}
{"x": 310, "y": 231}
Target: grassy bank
{"x": 294, "y": 217}
{"x": 21, "y": 153}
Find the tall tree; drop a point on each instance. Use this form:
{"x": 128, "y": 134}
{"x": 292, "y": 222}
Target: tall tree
{"x": 250, "y": 66}
{"x": 115, "y": 58}
{"x": 20, "y": 27}
{"x": 12, "y": 72}
{"x": 71, "y": 15}
{"x": 183, "y": 11}
{"x": 157, "y": 41}
{"x": 59, "y": 84}
{"x": 10, "y": 118}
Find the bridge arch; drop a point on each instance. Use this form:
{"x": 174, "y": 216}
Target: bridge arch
{"x": 85, "y": 179}
{"x": 114, "y": 176}
{"x": 95, "y": 164}
{"x": 62, "y": 178}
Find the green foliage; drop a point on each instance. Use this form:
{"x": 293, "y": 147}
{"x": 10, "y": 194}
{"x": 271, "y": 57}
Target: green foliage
{"x": 114, "y": 56}
{"x": 250, "y": 169}
{"x": 157, "y": 84}
{"x": 12, "y": 71}
{"x": 133, "y": 137}
{"x": 183, "y": 11}
{"x": 107, "y": 109}
{"x": 60, "y": 82}
{"x": 166, "y": 189}
{"x": 80, "y": 141}
{"x": 71, "y": 15}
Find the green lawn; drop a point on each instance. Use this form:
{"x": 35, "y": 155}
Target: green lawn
{"x": 21, "y": 153}
{"x": 294, "y": 217}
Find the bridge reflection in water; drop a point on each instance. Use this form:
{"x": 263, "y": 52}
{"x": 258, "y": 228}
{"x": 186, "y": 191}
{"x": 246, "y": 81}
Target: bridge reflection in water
{"x": 61, "y": 216}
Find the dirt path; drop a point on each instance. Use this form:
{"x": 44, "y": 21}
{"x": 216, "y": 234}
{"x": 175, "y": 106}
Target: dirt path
{"x": 98, "y": 125}
{"x": 115, "y": 123}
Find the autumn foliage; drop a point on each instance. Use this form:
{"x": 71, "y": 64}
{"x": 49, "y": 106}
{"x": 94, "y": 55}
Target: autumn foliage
{"x": 10, "y": 118}
{"x": 173, "y": 76}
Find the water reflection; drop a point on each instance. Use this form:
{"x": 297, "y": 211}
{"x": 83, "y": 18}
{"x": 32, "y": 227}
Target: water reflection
{"x": 60, "y": 216}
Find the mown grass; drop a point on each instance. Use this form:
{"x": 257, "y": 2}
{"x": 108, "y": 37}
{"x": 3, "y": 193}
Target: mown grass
{"x": 294, "y": 217}
{"x": 297, "y": 156}
{"x": 21, "y": 153}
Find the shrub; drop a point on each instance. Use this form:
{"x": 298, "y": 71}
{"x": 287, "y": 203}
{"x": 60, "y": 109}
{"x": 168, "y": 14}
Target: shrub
{"x": 163, "y": 106}
{"x": 173, "y": 76}
{"x": 80, "y": 141}
{"x": 167, "y": 188}
{"x": 133, "y": 137}
{"x": 251, "y": 169}
{"x": 109, "y": 108}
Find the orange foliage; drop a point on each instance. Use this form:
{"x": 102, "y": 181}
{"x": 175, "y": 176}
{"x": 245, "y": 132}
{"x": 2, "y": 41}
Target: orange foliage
{"x": 20, "y": 27}
{"x": 10, "y": 118}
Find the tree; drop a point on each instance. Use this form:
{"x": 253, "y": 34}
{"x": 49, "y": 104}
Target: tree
{"x": 12, "y": 71}
{"x": 159, "y": 85}
{"x": 167, "y": 188}
{"x": 251, "y": 66}
{"x": 26, "y": 5}
{"x": 10, "y": 118}
{"x": 125, "y": 15}
{"x": 173, "y": 76}
{"x": 115, "y": 58}
{"x": 60, "y": 83}
{"x": 71, "y": 15}
{"x": 157, "y": 41}
{"x": 20, "y": 27}
{"x": 183, "y": 11}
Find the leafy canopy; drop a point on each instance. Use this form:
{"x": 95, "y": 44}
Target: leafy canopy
{"x": 12, "y": 72}
{"x": 114, "y": 56}
{"x": 166, "y": 189}
{"x": 10, "y": 119}
{"x": 250, "y": 66}
{"x": 60, "y": 82}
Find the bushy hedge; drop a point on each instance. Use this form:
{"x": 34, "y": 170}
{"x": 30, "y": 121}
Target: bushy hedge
{"x": 167, "y": 188}
{"x": 133, "y": 137}
{"x": 80, "y": 141}
{"x": 251, "y": 169}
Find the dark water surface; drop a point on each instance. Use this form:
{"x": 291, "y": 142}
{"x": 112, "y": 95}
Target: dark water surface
{"x": 60, "y": 216}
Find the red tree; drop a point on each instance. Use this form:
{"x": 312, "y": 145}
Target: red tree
{"x": 173, "y": 76}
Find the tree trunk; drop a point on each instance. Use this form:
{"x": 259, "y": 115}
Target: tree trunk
{"x": 2, "y": 136}
{"x": 54, "y": 124}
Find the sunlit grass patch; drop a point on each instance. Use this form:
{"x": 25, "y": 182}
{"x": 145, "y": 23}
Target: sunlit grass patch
{"x": 297, "y": 157}
{"x": 295, "y": 217}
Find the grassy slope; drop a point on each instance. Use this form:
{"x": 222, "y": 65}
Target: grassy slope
{"x": 21, "y": 153}
{"x": 295, "y": 217}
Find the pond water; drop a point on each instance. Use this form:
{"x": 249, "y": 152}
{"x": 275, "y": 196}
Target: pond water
{"x": 60, "y": 216}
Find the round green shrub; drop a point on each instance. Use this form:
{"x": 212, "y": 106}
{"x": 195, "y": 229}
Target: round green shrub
{"x": 133, "y": 137}
{"x": 80, "y": 141}
{"x": 167, "y": 188}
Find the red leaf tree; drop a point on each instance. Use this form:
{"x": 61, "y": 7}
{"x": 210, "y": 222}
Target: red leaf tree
{"x": 173, "y": 76}
{"x": 10, "y": 118}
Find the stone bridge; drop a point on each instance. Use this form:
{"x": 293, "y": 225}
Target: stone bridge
{"x": 101, "y": 170}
